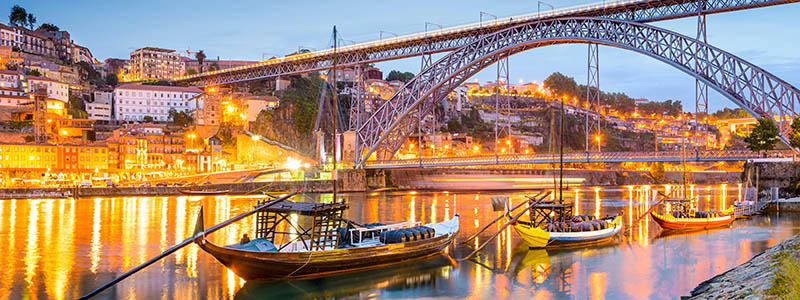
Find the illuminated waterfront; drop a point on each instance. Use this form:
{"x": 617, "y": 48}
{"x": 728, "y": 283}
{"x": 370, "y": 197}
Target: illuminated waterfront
{"x": 62, "y": 248}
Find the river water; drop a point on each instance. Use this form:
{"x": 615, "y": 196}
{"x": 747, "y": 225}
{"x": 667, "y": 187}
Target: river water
{"x": 64, "y": 248}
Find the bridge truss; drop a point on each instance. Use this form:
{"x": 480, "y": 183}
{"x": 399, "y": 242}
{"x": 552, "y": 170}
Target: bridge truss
{"x": 583, "y": 157}
{"x": 448, "y": 39}
{"x": 751, "y": 88}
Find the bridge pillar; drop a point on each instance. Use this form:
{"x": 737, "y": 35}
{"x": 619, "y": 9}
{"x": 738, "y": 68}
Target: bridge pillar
{"x": 701, "y": 89}
{"x": 593, "y": 97}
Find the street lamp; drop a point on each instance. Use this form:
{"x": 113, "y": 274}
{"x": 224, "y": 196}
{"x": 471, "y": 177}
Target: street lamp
{"x": 597, "y": 138}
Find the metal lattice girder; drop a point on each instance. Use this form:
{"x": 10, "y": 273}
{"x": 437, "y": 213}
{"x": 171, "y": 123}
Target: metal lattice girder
{"x": 449, "y": 39}
{"x": 592, "y": 94}
{"x": 753, "y": 89}
{"x": 581, "y": 157}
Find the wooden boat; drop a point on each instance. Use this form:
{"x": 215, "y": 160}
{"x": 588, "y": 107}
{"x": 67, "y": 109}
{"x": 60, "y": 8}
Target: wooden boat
{"x": 323, "y": 249}
{"x": 204, "y": 192}
{"x": 551, "y": 226}
{"x": 699, "y": 220}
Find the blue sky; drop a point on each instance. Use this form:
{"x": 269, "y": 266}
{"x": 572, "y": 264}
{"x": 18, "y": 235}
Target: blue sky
{"x": 247, "y": 29}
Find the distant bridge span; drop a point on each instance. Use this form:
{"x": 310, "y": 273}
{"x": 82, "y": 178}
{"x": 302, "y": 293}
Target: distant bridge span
{"x": 758, "y": 92}
{"x": 581, "y": 157}
{"x": 451, "y": 38}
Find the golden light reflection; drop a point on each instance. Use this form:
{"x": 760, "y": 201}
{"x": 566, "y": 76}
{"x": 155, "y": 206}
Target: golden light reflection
{"x": 723, "y": 192}
{"x": 412, "y": 210}
{"x": 597, "y": 285}
{"x": 577, "y": 202}
{"x": 596, "y": 203}
{"x": 94, "y": 253}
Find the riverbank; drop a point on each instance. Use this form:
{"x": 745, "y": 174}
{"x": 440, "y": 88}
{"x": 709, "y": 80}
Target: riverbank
{"x": 754, "y": 279}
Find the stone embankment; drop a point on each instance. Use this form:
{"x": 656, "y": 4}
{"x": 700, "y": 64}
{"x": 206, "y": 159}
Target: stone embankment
{"x": 750, "y": 280}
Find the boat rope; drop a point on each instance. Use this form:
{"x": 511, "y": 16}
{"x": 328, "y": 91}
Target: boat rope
{"x": 303, "y": 266}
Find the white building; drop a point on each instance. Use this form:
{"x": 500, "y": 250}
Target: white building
{"x": 132, "y": 102}
{"x": 100, "y": 109}
{"x": 10, "y": 36}
{"x": 55, "y": 89}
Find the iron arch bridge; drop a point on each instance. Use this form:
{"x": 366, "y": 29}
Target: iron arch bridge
{"x": 745, "y": 84}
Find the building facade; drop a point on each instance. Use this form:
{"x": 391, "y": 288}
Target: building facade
{"x": 132, "y": 102}
{"x": 153, "y": 63}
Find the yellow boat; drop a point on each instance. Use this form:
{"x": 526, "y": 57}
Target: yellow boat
{"x": 571, "y": 235}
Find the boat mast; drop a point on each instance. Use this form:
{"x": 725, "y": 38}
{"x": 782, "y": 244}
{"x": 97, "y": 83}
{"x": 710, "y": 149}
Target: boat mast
{"x": 561, "y": 155}
{"x": 335, "y": 113}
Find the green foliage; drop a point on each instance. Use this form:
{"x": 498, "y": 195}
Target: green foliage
{"x": 161, "y": 82}
{"x": 29, "y": 139}
{"x": 561, "y": 85}
{"x": 201, "y": 57}
{"x": 92, "y": 74}
{"x": 303, "y": 97}
{"x": 75, "y": 102}
{"x": 112, "y": 79}
{"x": 669, "y": 107}
{"x": 259, "y": 88}
{"x": 17, "y": 125}
{"x": 148, "y": 119}
{"x": 402, "y": 76}
{"x": 91, "y": 135}
{"x": 33, "y": 73}
{"x": 227, "y": 135}
{"x": 49, "y": 27}
{"x": 180, "y": 118}
{"x": 213, "y": 67}
{"x": 763, "y": 137}
{"x": 31, "y": 21}
{"x": 191, "y": 71}
{"x": 786, "y": 284}
{"x": 77, "y": 113}
{"x": 794, "y": 138}
{"x": 727, "y": 113}
{"x": 18, "y": 16}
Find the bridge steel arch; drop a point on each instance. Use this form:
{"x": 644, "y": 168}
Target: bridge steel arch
{"x": 758, "y": 92}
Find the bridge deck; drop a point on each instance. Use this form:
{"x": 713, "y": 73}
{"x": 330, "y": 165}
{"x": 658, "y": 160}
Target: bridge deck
{"x": 450, "y": 38}
{"x": 581, "y": 157}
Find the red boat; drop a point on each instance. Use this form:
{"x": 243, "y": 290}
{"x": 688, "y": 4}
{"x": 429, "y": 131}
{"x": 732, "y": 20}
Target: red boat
{"x": 700, "y": 220}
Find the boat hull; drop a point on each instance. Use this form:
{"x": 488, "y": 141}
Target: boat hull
{"x": 252, "y": 265}
{"x": 539, "y": 238}
{"x": 672, "y": 223}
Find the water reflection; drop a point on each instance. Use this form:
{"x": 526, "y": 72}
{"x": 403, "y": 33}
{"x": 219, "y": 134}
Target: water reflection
{"x": 62, "y": 248}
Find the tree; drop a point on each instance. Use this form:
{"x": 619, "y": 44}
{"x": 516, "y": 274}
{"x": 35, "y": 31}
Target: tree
{"x": 763, "y": 137}
{"x": 112, "y": 79}
{"x": 49, "y": 27}
{"x": 31, "y": 21}
{"x": 33, "y": 73}
{"x": 213, "y": 67}
{"x": 148, "y": 119}
{"x": 201, "y": 57}
{"x": 794, "y": 138}
{"x": 191, "y": 71}
{"x": 180, "y": 118}
{"x": 561, "y": 85}
{"x": 18, "y": 16}
{"x": 402, "y": 76}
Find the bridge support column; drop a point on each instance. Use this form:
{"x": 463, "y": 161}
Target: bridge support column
{"x": 504, "y": 130}
{"x": 593, "y": 97}
{"x": 701, "y": 89}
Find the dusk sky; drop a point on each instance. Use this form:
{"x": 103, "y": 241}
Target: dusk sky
{"x": 245, "y": 30}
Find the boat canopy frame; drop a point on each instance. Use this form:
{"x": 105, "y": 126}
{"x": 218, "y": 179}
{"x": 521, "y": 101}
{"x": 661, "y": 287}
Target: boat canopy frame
{"x": 326, "y": 219}
{"x": 549, "y": 212}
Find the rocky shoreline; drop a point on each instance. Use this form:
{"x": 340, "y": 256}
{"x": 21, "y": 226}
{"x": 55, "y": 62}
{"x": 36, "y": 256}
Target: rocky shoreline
{"x": 750, "y": 280}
